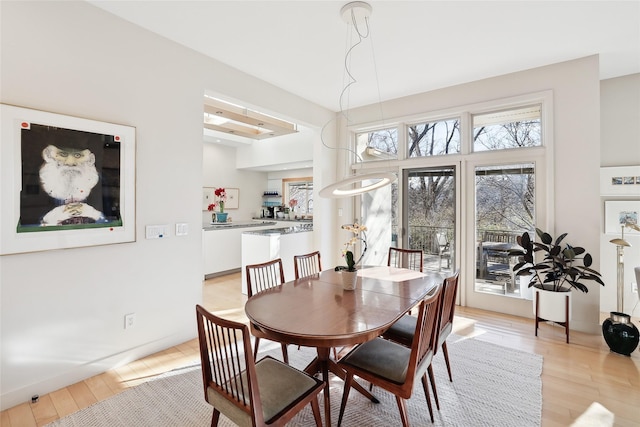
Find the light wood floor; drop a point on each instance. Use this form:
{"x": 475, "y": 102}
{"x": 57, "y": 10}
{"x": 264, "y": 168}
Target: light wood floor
{"x": 573, "y": 376}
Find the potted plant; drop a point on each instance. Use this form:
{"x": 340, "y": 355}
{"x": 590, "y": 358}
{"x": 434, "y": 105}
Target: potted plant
{"x": 350, "y": 272}
{"x": 564, "y": 267}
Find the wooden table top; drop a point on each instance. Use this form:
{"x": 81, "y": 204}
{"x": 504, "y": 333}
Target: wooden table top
{"x": 316, "y": 311}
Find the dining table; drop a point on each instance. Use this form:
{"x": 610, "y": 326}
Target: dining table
{"x": 316, "y": 311}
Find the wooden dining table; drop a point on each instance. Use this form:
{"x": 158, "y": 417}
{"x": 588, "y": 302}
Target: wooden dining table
{"x": 316, "y": 311}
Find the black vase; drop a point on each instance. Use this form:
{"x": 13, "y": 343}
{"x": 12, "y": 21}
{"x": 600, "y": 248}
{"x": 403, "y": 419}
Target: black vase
{"x": 620, "y": 334}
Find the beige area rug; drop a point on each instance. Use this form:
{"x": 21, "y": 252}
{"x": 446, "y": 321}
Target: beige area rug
{"x": 492, "y": 386}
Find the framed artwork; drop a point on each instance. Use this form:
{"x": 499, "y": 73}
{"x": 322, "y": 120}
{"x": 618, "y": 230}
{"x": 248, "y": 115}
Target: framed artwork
{"x": 617, "y": 213}
{"x": 233, "y": 198}
{"x": 208, "y": 197}
{"x": 618, "y": 181}
{"x": 67, "y": 182}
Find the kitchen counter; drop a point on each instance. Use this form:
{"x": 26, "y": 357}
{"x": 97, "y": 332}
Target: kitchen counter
{"x": 228, "y": 225}
{"x": 288, "y": 230}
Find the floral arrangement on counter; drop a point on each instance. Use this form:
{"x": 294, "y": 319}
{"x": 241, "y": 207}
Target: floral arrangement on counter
{"x": 358, "y": 231}
{"x": 221, "y": 194}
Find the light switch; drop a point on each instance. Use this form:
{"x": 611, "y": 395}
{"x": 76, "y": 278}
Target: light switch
{"x": 182, "y": 229}
{"x": 157, "y": 231}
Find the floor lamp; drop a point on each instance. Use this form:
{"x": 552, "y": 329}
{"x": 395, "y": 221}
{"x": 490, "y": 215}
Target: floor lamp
{"x": 619, "y": 332}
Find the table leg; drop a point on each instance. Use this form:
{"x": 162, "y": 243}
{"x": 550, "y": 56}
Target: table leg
{"x": 323, "y": 359}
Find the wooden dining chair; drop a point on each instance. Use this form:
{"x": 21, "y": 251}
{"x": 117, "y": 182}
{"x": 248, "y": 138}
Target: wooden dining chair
{"x": 249, "y": 393}
{"x": 261, "y": 277}
{"x": 307, "y": 265}
{"x": 395, "y": 367}
{"x": 402, "y": 331}
{"x": 405, "y": 258}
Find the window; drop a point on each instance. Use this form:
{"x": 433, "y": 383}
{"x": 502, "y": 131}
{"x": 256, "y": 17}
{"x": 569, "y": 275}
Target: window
{"x": 505, "y": 208}
{"x": 377, "y": 145}
{"x": 433, "y": 138}
{"x": 298, "y": 194}
{"x": 515, "y": 128}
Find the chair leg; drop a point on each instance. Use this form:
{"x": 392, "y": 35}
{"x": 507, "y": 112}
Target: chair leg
{"x": 215, "y": 418}
{"x": 446, "y": 359}
{"x": 255, "y": 348}
{"x": 402, "y": 406}
{"x": 315, "y": 408}
{"x": 345, "y": 396}
{"x": 425, "y": 387}
{"x": 432, "y": 379}
{"x": 285, "y": 353}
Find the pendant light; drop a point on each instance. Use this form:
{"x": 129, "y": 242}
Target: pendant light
{"x": 356, "y": 13}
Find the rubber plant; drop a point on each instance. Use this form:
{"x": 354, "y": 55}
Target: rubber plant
{"x": 563, "y": 267}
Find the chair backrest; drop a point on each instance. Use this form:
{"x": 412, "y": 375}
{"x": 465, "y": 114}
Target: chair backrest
{"x": 424, "y": 340}
{"x": 405, "y": 258}
{"x": 443, "y": 242}
{"x": 228, "y": 368}
{"x": 448, "y": 307}
{"x": 261, "y": 277}
{"x": 307, "y": 265}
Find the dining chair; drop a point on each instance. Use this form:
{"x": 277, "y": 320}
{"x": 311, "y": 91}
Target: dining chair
{"x": 261, "y": 277}
{"x": 307, "y": 265}
{"x": 405, "y": 258}
{"x": 395, "y": 367}
{"x": 444, "y": 249}
{"x": 249, "y": 393}
{"x": 402, "y": 331}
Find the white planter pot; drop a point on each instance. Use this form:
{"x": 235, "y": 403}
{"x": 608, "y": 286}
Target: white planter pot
{"x": 525, "y": 291}
{"x": 349, "y": 279}
{"x": 552, "y": 306}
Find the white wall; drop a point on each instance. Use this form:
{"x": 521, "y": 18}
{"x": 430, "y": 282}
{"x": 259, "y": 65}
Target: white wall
{"x": 62, "y": 312}
{"x": 620, "y": 135}
{"x": 576, "y": 94}
{"x": 219, "y": 170}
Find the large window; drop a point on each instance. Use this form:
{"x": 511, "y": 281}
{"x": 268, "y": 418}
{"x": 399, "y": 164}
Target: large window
{"x": 505, "y": 208}
{"x": 475, "y": 179}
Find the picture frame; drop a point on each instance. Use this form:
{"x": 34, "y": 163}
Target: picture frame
{"x": 42, "y": 205}
{"x": 233, "y": 198}
{"x": 616, "y": 212}
{"x": 208, "y": 197}
{"x": 620, "y": 181}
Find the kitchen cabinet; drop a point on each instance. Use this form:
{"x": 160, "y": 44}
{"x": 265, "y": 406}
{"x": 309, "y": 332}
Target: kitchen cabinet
{"x": 260, "y": 246}
{"x": 222, "y": 245}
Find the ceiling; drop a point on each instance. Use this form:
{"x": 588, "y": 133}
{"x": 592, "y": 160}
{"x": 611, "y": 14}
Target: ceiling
{"x": 416, "y": 46}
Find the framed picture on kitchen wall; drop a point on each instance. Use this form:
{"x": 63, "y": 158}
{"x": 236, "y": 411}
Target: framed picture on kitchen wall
{"x": 208, "y": 197}
{"x": 67, "y": 181}
{"x": 233, "y": 198}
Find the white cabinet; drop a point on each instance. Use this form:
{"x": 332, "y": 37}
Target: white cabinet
{"x": 222, "y": 247}
{"x": 259, "y": 248}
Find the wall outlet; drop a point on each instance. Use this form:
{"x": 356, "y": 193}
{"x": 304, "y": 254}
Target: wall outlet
{"x": 129, "y": 320}
{"x": 634, "y": 287}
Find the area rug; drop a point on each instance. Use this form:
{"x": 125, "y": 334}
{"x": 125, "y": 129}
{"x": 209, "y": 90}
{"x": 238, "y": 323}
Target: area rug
{"x": 492, "y": 386}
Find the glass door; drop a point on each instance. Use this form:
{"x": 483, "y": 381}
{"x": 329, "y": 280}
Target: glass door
{"x": 429, "y": 206}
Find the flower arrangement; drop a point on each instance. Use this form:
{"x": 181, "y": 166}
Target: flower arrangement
{"x": 221, "y": 194}
{"x": 293, "y": 203}
{"x": 358, "y": 231}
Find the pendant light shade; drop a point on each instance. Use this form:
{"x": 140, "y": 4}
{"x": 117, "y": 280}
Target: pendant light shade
{"x": 356, "y": 13}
